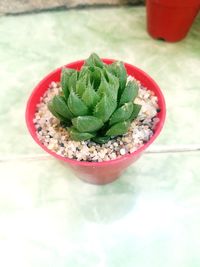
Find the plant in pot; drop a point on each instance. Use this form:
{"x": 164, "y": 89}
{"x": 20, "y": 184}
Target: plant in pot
{"x": 171, "y": 20}
{"x": 97, "y": 116}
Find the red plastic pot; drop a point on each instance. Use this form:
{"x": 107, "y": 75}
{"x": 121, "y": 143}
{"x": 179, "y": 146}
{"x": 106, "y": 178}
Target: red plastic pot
{"x": 95, "y": 172}
{"x": 170, "y": 20}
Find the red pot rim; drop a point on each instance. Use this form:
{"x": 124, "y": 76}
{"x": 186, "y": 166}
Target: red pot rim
{"x": 177, "y": 3}
{"x": 104, "y": 163}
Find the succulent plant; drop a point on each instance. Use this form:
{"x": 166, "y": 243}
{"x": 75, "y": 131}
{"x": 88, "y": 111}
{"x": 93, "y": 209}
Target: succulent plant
{"x": 96, "y": 102}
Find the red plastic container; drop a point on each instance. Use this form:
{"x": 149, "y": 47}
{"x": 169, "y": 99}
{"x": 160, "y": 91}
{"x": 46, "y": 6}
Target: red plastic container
{"x": 96, "y": 172}
{"x": 170, "y": 20}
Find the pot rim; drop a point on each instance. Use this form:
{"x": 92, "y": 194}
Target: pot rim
{"x": 104, "y": 163}
{"x": 177, "y": 3}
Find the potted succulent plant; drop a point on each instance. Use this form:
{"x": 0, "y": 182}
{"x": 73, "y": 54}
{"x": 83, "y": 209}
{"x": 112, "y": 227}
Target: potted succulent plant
{"x": 171, "y": 20}
{"x": 96, "y": 115}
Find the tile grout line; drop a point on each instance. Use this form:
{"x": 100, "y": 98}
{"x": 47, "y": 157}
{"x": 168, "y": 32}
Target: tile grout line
{"x": 173, "y": 148}
{"x": 158, "y": 149}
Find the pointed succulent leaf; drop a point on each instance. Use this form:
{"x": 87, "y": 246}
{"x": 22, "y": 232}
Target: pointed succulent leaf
{"x": 118, "y": 128}
{"x": 118, "y": 69}
{"x": 122, "y": 75}
{"x": 65, "y": 75}
{"x": 72, "y": 81}
{"x": 105, "y": 72}
{"x": 105, "y": 107}
{"x": 54, "y": 113}
{"x": 61, "y": 107}
{"x": 81, "y": 85}
{"x": 87, "y": 123}
{"x": 76, "y": 105}
{"x": 95, "y": 77}
{"x": 90, "y": 97}
{"x": 136, "y": 111}
{"x": 78, "y": 136}
{"x": 114, "y": 85}
{"x": 91, "y": 68}
{"x": 101, "y": 139}
{"x": 112, "y": 68}
{"x": 121, "y": 114}
{"x": 84, "y": 71}
{"x": 112, "y": 78}
{"x": 130, "y": 92}
{"x": 103, "y": 87}
{"x": 109, "y": 89}
{"x": 94, "y": 60}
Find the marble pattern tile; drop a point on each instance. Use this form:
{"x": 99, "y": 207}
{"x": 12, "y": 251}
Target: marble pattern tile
{"x": 48, "y": 217}
{"x": 150, "y": 216}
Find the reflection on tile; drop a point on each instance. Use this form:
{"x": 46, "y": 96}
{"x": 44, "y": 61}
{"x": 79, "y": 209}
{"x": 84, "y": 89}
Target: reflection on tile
{"x": 56, "y": 38}
{"x": 150, "y": 216}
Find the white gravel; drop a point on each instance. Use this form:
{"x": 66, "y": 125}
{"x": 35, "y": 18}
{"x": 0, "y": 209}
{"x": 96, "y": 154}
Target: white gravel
{"x": 57, "y": 139}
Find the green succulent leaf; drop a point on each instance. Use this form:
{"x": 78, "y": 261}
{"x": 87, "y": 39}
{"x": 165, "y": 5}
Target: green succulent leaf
{"x": 94, "y": 60}
{"x": 114, "y": 85}
{"x": 81, "y": 86}
{"x": 108, "y": 88}
{"x": 84, "y": 71}
{"x": 130, "y": 92}
{"x": 136, "y": 111}
{"x": 112, "y": 68}
{"x": 90, "y": 97}
{"x": 76, "y": 105}
{"x": 101, "y": 139}
{"x": 72, "y": 81}
{"x": 122, "y": 114}
{"x": 60, "y": 106}
{"x": 118, "y": 69}
{"x": 104, "y": 72}
{"x": 103, "y": 87}
{"x": 65, "y": 75}
{"x": 118, "y": 128}
{"x": 95, "y": 77}
{"x": 104, "y": 108}
{"x": 87, "y": 123}
{"x": 54, "y": 113}
{"x": 78, "y": 136}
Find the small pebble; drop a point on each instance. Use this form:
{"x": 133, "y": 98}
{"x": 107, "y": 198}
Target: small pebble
{"x": 122, "y": 151}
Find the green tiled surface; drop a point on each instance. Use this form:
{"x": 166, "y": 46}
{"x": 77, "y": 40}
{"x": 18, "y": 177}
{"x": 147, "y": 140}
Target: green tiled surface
{"x": 150, "y": 216}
